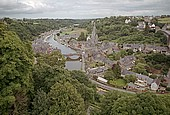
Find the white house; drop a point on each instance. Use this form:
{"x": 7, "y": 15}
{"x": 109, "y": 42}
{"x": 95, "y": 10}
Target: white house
{"x": 155, "y": 84}
{"x": 127, "y": 21}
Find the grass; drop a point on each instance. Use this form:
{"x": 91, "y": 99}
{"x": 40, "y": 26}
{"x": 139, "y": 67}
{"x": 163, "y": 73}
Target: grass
{"x": 164, "y": 20}
{"x": 118, "y": 82}
{"x": 74, "y": 31}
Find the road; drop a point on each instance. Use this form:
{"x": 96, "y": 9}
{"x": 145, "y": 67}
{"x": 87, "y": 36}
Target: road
{"x": 106, "y": 87}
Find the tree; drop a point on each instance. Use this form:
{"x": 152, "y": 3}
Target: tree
{"x": 116, "y": 70}
{"x": 81, "y": 77}
{"x": 130, "y": 78}
{"x": 45, "y": 76}
{"x": 116, "y": 103}
{"x": 53, "y": 59}
{"x": 82, "y": 37}
{"x": 15, "y": 74}
{"x": 129, "y": 51}
{"x": 109, "y": 75}
{"x": 40, "y": 103}
{"x": 109, "y": 100}
{"x": 65, "y": 100}
{"x": 140, "y": 68}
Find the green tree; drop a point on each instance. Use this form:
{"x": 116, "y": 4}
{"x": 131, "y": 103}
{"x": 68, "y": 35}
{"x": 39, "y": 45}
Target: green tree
{"x": 82, "y": 37}
{"x": 109, "y": 75}
{"x": 15, "y": 74}
{"x": 40, "y": 103}
{"x": 45, "y": 76}
{"x": 53, "y": 59}
{"x": 140, "y": 68}
{"x": 116, "y": 103}
{"x": 130, "y": 78}
{"x": 108, "y": 102}
{"x": 65, "y": 100}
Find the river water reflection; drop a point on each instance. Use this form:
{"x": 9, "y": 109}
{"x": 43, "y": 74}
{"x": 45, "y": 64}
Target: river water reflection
{"x": 70, "y": 65}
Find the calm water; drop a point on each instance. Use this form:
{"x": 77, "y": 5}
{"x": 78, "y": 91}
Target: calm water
{"x": 70, "y": 65}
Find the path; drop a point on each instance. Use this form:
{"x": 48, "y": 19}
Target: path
{"x": 106, "y": 87}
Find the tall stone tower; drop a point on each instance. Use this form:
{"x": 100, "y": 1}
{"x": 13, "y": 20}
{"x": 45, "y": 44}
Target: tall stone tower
{"x": 93, "y": 40}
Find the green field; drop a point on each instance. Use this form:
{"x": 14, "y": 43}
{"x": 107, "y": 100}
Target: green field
{"x": 118, "y": 82}
{"x": 73, "y": 31}
{"x": 164, "y": 20}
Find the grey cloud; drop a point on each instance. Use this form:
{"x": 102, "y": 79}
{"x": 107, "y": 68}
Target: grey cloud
{"x": 82, "y": 8}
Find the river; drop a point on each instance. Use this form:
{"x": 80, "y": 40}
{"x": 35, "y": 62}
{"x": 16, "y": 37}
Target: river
{"x": 70, "y": 65}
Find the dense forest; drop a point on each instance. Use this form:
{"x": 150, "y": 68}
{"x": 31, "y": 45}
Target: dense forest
{"x": 46, "y": 88}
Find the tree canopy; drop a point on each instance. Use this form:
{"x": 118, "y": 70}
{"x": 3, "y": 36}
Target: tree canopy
{"x": 16, "y": 62}
{"x": 116, "y": 103}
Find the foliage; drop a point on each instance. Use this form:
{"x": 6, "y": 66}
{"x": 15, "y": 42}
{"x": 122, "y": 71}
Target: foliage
{"x": 116, "y": 103}
{"x": 115, "y": 72}
{"x": 65, "y": 100}
{"x": 52, "y": 59}
{"x": 16, "y": 62}
{"x": 140, "y": 68}
{"x": 115, "y": 29}
{"x": 28, "y": 29}
{"x": 109, "y": 75}
{"x": 40, "y": 103}
{"x": 118, "y": 55}
{"x": 130, "y": 78}
{"x": 157, "y": 60}
{"x": 153, "y": 76}
{"x": 82, "y": 37}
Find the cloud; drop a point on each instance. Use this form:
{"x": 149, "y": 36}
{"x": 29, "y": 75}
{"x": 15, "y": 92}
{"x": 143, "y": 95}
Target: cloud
{"x": 81, "y": 8}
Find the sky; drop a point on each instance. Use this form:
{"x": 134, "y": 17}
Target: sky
{"x": 82, "y": 9}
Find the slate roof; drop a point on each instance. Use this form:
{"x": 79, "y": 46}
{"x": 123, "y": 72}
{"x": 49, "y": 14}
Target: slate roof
{"x": 139, "y": 76}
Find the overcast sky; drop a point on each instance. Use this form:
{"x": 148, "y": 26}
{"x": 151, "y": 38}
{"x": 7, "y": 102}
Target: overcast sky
{"x": 81, "y": 8}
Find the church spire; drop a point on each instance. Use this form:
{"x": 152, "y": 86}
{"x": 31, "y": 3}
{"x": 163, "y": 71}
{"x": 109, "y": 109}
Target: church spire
{"x": 94, "y": 36}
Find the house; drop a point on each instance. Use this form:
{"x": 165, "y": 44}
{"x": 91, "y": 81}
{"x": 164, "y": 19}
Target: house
{"x": 140, "y": 78}
{"x": 138, "y": 47}
{"x": 76, "y": 25}
{"x": 127, "y": 62}
{"x": 131, "y": 86}
{"x": 127, "y": 21}
{"x": 155, "y": 84}
{"x": 144, "y": 78}
{"x": 152, "y": 26}
{"x": 96, "y": 70}
{"x": 149, "y": 48}
{"x": 141, "y": 25}
{"x": 127, "y": 46}
{"x": 160, "y": 49}
{"x": 168, "y": 26}
{"x": 115, "y": 47}
{"x": 134, "y": 47}
{"x": 125, "y": 72}
{"x": 141, "y": 83}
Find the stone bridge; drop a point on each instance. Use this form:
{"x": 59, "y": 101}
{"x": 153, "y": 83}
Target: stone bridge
{"x": 70, "y": 57}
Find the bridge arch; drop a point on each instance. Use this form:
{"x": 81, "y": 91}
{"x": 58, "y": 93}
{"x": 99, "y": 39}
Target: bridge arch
{"x": 73, "y": 57}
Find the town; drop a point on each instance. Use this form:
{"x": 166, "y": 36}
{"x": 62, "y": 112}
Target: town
{"x": 90, "y": 57}
{"x": 96, "y": 62}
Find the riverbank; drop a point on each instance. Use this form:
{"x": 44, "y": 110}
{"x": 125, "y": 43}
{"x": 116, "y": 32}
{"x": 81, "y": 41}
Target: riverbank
{"x": 70, "y": 65}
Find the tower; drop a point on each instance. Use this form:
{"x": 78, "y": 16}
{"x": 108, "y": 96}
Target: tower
{"x": 93, "y": 40}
